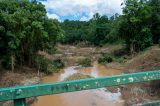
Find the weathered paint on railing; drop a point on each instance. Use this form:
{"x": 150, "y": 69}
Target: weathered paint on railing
{"x": 19, "y": 93}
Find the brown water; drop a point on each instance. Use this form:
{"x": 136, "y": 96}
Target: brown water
{"x": 97, "y": 97}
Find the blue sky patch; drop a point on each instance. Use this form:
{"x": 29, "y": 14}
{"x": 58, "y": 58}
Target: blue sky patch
{"x": 82, "y": 10}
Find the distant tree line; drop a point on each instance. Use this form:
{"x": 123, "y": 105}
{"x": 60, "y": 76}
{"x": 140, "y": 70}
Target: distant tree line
{"x": 97, "y": 30}
{"x": 138, "y": 26}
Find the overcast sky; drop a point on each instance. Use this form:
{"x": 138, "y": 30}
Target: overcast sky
{"x": 80, "y": 9}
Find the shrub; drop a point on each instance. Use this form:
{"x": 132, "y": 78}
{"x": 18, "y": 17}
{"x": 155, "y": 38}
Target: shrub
{"x": 121, "y": 59}
{"x": 41, "y": 63}
{"x": 58, "y": 63}
{"x": 85, "y": 62}
{"x": 106, "y": 58}
{"x": 49, "y": 66}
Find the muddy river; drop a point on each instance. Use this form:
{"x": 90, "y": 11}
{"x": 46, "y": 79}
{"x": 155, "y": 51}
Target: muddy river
{"x": 97, "y": 97}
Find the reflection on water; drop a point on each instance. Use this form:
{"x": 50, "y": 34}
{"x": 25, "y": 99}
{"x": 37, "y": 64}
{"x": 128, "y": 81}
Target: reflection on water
{"x": 97, "y": 97}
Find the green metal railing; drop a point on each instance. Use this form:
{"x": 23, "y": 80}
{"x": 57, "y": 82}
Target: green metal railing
{"x": 20, "y": 93}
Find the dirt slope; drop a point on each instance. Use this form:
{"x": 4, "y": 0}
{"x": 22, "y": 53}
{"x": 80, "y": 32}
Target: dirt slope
{"x": 144, "y": 61}
{"x": 143, "y": 92}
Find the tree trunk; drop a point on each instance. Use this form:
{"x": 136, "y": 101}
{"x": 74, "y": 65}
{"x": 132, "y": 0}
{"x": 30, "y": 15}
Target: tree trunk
{"x": 132, "y": 49}
{"x": 38, "y": 71}
{"x": 12, "y": 62}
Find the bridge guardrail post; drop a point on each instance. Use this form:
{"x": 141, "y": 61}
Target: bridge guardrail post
{"x": 20, "y": 102}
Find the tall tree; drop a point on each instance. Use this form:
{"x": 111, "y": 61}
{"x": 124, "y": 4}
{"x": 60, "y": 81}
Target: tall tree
{"x": 24, "y": 30}
{"x": 135, "y": 25}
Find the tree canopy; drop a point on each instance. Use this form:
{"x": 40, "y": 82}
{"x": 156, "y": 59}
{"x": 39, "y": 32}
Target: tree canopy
{"x": 24, "y": 30}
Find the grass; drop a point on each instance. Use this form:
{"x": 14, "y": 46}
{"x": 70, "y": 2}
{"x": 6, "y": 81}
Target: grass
{"x": 77, "y": 76}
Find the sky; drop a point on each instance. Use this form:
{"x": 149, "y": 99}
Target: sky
{"x": 82, "y": 10}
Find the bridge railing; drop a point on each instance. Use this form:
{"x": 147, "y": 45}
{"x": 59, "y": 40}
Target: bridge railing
{"x": 20, "y": 93}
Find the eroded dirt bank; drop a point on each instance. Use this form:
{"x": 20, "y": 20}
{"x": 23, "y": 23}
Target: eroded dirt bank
{"x": 144, "y": 61}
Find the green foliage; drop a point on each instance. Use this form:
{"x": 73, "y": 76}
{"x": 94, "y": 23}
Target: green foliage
{"x": 135, "y": 25}
{"x": 6, "y": 62}
{"x": 95, "y": 31}
{"x": 106, "y": 58}
{"x": 41, "y": 63}
{"x": 75, "y": 31}
{"x": 86, "y": 62}
{"x": 98, "y": 29}
{"x": 119, "y": 55}
{"x": 58, "y": 63}
{"x": 113, "y": 36}
{"x": 51, "y": 50}
{"x": 48, "y": 66}
{"x": 54, "y": 66}
{"x": 155, "y": 19}
{"x": 25, "y": 29}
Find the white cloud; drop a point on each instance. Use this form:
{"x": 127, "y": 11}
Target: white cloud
{"x": 53, "y": 16}
{"x": 74, "y": 8}
{"x": 86, "y": 18}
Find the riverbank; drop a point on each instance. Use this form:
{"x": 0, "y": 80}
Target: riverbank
{"x": 70, "y": 55}
{"x": 141, "y": 92}
{"x": 20, "y": 76}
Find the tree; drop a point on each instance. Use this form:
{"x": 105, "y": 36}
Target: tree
{"x": 24, "y": 30}
{"x": 135, "y": 25}
{"x": 99, "y": 28}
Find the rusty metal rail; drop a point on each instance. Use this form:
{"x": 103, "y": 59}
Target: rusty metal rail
{"x": 20, "y": 93}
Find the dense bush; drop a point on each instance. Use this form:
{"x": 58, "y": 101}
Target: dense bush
{"x": 106, "y": 58}
{"x": 85, "y": 62}
{"x": 58, "y": 63}
{"x": 119, "y": 56}
{"x": 48, "y": 66}
{"x": 6, "y": 62}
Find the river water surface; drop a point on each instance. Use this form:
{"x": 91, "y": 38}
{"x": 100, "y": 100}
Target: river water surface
{"x": 97, "y": 97}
